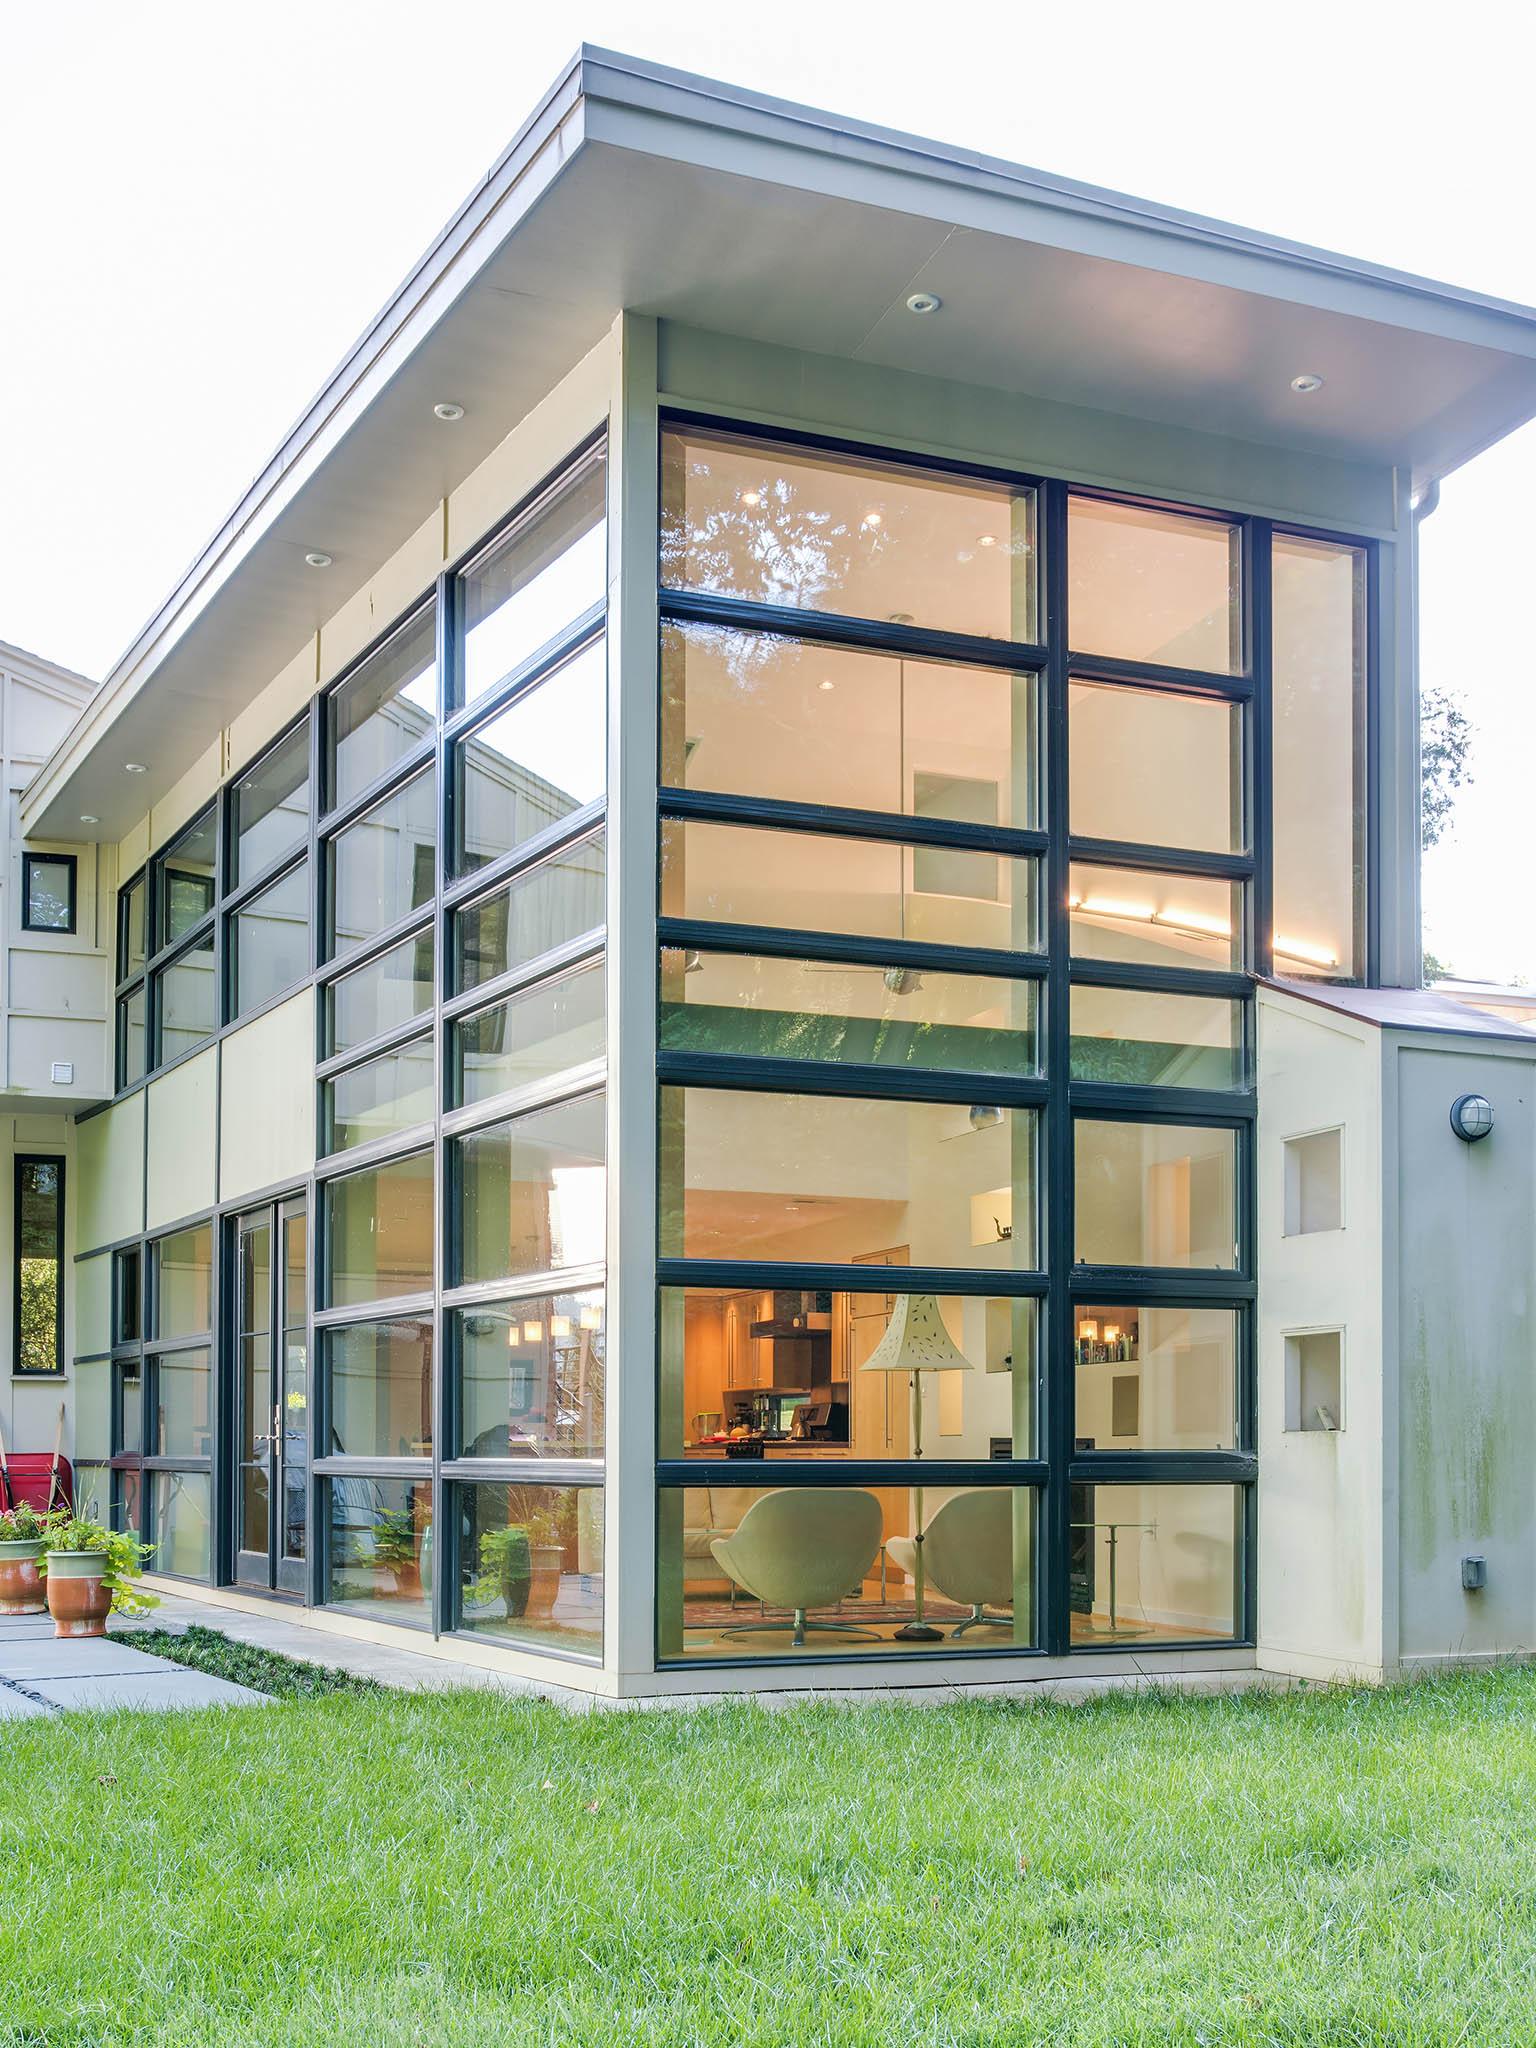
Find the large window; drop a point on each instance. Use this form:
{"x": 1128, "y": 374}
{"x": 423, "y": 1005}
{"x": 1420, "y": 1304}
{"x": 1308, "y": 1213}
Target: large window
{"x": 956, "y": 929}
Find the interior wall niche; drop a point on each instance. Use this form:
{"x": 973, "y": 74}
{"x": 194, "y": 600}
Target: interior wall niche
{"x": 1314, "y": 1381}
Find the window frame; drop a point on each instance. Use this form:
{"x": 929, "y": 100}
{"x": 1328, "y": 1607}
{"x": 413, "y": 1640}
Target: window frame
{"x": 57, "y": 1371}
{"x": 32, "y": 859}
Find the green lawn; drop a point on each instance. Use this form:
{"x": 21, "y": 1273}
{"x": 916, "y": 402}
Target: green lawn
{"x": 369, "y": 1871}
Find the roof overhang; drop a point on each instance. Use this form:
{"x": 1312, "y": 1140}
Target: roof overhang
{"x": 628, "y": 188}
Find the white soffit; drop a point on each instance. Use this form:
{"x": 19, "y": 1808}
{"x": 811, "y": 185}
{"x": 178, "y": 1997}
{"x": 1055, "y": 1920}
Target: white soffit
{"x": 633, "y": 187}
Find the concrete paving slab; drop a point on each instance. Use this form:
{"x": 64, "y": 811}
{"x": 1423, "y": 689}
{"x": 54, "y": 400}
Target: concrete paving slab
{"x": 23, "y": 1628}
{"x": 76, "y": 1658}
{"x": 170, "y": 1687}
{"x": 15, "y": 1706}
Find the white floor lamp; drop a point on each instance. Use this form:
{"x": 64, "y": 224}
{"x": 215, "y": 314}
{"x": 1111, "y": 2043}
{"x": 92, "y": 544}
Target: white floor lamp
{"x": 916, "y": 1342}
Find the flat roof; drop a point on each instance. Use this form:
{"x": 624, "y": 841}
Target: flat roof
{"x": 627, "y": 188}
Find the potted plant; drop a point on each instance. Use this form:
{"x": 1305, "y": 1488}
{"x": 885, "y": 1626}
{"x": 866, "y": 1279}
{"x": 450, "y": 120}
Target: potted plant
{"x": 394, "y": 1545}
{"x": 23, "y": 1535}
{"x": 506, "y": 1569}
{"x": 90, "y": 1572}
{"x": 546, "y": 1558}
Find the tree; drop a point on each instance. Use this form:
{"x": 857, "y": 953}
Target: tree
{"x": 1445, "y": 745}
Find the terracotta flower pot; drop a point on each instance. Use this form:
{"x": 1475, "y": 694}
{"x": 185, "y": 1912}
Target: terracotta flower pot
{"x": 79, "y": 1598}
{"x": 544, "y": 1580}
{"x": 21, "y": 1583}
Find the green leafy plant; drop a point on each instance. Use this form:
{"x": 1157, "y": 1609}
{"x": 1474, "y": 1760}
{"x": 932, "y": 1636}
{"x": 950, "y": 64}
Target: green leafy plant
{"x": 506, "y": 1568}
{"x": 23, "y": 1524}
{"x": 394, "y": 1539}
{"x": 125, "y": 1557}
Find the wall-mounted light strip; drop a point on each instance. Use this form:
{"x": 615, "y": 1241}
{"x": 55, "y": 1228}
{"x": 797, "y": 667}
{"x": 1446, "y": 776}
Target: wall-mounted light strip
{"x": 1196, "y": 923}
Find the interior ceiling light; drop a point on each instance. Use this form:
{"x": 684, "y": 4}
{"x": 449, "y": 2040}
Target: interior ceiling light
{"x": 1307, "y": 383}
{"x": 826, "y": 683}
{"x": 317, "y": 560}
{"x": 1301, "y": 949}
{"x": 986, "y": 540}
{"x": 89, "y": 818}
{"x": 448, "y": 409}
{"x": 134, "y": 768}
{"x": 924, "y": 302}
{"x": 751, "y": 497}
{"x": 873, "y": 518}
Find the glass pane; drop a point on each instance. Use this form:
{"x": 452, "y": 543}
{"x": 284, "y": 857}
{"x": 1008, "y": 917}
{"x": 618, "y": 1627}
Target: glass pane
{"x": 126, "y": 1296}
{"x": 1154, "y": 768}
{"x": 531, "y": 1377}
{"x": 829, "y": 1177}
{"x": 771, "y": 1573}
{"x": 536, "y": 762}
{"x": 1155, "y": 920}
{"x": 780, "y": 1372}
{"x": 380, "y": 1552}
{"x": 385, "y": 710}
{"x": 131, "y": 1061}
{"x": 271, "y": 937}
{"x": 184, "y": 1282}
{"x": 1319, "y": 757}
{"x": 50, "y": 894}
{"x": 537, "y": 579}
{"x": 380, "y": 1381}
{"x": 387, "y": 1094}
{"x": 1153, "y": 1563}
{"x": 182, "y": 1428}
{"x": 790, "y": 526}
{"x": 1155, "y": 1195}
{"x": 187, "y": 878}
{"x": 1155, "y": 1378}
{"x": 868, "y": 888}
{"x": 1154, "y": 586}
{"x": 561, "y": 899}
{"x": 386, "y": 992}
{"x": 539, "y": 1032}
{"x": 379, "y": 1232}
{"x": 531, "y": 1565}
{"x": 187, "y": 994}
{"x": 819, "y": 1010}
{"x": 183, "y": 1523}
{"x": 384, "y": 866}
{"x": 39, "y": 1264}
{"x": 271, "y": 805}
{"x": 293, "y": 1535}
{"x": 130, "y": 930}
{"x": 1145, "y": 1039}
{"x": 129, "y": 1434}
{"x": 758, "y": 715}
{"x": 533, "y": 1192}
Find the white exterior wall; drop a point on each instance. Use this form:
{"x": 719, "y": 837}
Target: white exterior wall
{"x": 1320, "y": 1493}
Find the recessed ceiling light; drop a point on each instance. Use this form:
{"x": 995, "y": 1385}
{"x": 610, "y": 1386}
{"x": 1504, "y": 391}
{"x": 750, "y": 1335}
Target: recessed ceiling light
{"x": 873, "y": 518}
{"x": 986, "y": 540}
{"x": 924, "y": 302}
{"x": 317, "y": 560}
{"x": 826, "y": 683}
{"x": 1307, "y": 383}
{"x": 135, "y": 768}
{"x": 448, "y": 409}
{"x": 89, "y": 818}
{"x": 751, "y": 497}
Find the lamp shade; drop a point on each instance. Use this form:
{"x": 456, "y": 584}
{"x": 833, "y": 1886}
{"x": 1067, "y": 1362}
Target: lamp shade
{"x": 916, "y": 1340}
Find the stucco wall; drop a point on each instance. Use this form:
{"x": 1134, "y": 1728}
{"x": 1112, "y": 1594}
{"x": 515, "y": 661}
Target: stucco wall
{"x": 1465, "y": 1221}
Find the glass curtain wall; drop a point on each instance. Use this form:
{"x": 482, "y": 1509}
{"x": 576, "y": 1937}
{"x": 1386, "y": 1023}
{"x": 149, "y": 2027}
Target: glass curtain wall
{"x": 957, "y": 921}
{"x": 460, "y": 1208}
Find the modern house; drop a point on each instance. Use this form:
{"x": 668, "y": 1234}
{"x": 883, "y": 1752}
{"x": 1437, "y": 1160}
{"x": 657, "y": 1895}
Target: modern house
{"x": 742, "y": 959}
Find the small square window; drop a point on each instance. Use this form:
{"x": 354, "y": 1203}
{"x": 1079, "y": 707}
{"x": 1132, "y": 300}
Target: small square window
{"x": 48, "y": 892}
{"x": 1314, "y": 1380}
{"x": 1314, "y": 1183}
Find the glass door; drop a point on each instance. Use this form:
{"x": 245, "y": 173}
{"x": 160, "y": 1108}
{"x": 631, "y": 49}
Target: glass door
{"x": 272, "y": 1398}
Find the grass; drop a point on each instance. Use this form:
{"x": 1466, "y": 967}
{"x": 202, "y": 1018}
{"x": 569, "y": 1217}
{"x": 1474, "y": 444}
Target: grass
{"x": 282, "y": 1678}
{"x": 367, "y": 1872}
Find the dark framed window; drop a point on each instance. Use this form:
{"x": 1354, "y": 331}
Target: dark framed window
{"x": 39, "y": 1267}
{"x": 963, "y": 882}
{"x": 48, "y": 892}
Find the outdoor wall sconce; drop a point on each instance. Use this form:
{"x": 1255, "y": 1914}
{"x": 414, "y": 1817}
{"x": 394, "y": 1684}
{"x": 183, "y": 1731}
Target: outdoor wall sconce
{"x": 1471, "y": 1117}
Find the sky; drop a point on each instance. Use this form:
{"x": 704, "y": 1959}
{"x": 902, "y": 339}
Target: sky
{"x": 202, "y": 206}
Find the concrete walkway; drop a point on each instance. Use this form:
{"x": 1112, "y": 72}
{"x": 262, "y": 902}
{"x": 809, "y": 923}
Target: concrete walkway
{"x": 41, "y": 1675}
